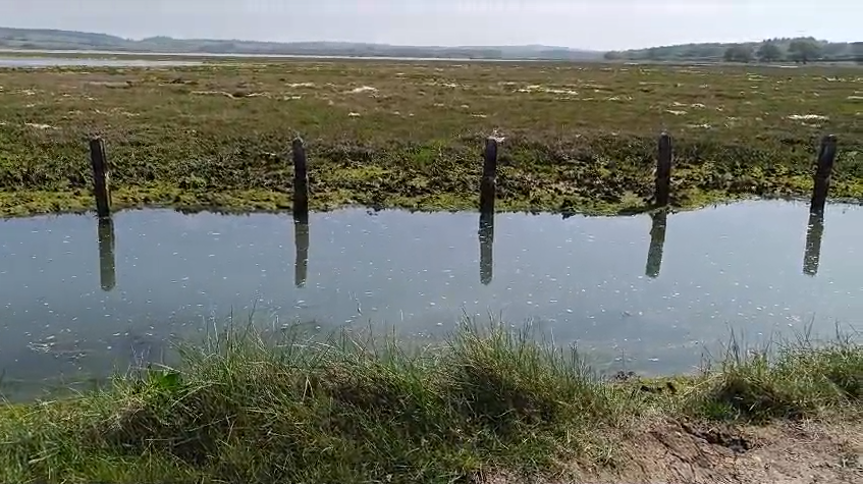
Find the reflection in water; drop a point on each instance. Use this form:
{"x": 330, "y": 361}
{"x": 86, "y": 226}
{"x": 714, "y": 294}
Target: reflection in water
{"x": 657, "y": 243}
{"x": 301, "y": 247}
{"x": 813, "y": 243}
{"x": 582, "y": 279}
{"x": 486, "y": 247}
{"x": 107, "y": 263}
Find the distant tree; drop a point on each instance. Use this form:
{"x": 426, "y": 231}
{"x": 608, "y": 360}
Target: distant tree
{"x": 738, "y": 53}
{"x": 833, "y": 50}
{"x": 652, "y": 53}
{"x": 857, "y": 52}
{"x": 804, "y": 50}
{"x": 769, "y": 52}
{"x": 613, "y": 55}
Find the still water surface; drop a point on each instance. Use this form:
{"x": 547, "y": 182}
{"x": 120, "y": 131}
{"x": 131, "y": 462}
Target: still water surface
{"x": 33, "y": 62}
{"x": 79, "y": 296}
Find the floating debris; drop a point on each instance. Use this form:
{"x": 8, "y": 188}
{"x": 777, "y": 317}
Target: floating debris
{"x": 362, "y": 89}
{"x": 807, "y": 117}
{"x": 39, "y": 126}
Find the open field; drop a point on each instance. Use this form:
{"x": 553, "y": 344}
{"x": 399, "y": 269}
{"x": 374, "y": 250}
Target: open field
{"x": 579, "y": 138}
{"x": 490, "y": 405}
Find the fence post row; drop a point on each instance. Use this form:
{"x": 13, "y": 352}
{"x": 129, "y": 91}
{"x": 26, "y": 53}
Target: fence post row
{"x": 488, "y": 183}
{"x": 826, "y": 157}
{"x": 663, "y": 170}
{"x": 101, "y": 177}
{"x": 301, "y": 181}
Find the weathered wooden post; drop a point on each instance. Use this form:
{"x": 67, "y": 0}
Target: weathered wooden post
{"x": 663, "y": 170}
{"x": 301, "y": 181}
{"x": 826, "y": 157}
{"x": 659, "y": 222}
{"x": 814, "y": 234}
{"x": 486, "y": 248}
{"x": 101, "y": 177}
{"x": 301, "y": 247}
{"x": 107, "y": 263}
{"x": 488, "y": 184}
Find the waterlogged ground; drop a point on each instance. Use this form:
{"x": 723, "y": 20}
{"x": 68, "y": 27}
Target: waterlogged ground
{"x": 638, "y": 292}
{"x": 578, "y": 137}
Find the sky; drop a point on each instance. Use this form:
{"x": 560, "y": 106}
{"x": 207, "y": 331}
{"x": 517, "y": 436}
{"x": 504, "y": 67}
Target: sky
{"x": 584, "y": 24}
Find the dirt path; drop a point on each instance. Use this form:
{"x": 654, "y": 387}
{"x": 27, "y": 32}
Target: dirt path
{"x": 674, "y": 453}
{"x": 793, "y": 453}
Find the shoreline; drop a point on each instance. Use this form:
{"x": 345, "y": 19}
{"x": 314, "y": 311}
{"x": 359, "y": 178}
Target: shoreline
{"x": 48, "y": 207}
{"x": 488, "y": 405}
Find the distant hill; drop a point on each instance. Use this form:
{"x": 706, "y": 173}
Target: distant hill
{"x": 801, "y": 49}
{"x": 44, "y": 39}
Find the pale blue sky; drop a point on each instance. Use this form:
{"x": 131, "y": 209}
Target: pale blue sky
{"x": 598, "y": 24}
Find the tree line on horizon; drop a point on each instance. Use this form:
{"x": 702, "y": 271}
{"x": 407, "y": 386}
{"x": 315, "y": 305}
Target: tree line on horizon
{"x": 799, "y": 50}
{"x": 50, "y": 39}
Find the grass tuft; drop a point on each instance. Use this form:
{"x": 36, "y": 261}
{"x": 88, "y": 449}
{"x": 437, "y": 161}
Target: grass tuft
{"x": 247, "y": 406}
{"x": 801, "y": 380}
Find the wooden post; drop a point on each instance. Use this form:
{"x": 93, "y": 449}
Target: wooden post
{"x": 826, "y": 156}
{"x": 301, "y": 181}
{"x": 814, "y": 234}
{"x": 486, "y": 248}
{"x": 663, "y": 170}
{"x": 659, "y": 222}
{"x": 101, "y": 177}
{"x": 107, "y": 263}
{"x": 301, "y": 247}
{"x": 488, "y": 184}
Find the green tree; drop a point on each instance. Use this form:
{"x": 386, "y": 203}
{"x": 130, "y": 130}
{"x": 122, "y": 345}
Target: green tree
{"x": 769, "y": 52}
{"x": 738, "y": 53}
{"x": 857, "y": 52}
{"x": 835, "y": 49}
{"x": 804, "y": 50}
{"x": 613, "y": 55}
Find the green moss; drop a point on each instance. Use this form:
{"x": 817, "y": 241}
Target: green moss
{"x": 414, "y": 143}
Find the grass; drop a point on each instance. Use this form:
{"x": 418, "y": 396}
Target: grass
{"x": 248, "y": 407}
{"x": 579, "y": 138}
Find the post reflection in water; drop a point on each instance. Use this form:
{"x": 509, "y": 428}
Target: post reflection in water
{"x": 107, "y": 263}
{"x": 486, "y": 247}
{"x": 814, "y": 233}
{"x": 657, "y": 243}
{"x": 301, "y": 246}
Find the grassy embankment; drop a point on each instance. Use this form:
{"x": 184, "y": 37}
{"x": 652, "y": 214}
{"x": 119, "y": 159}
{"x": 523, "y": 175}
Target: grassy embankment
{"x": 489, "y": 404}
{"x": 578, "y": 137}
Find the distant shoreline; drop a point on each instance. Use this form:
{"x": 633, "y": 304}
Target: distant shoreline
{"x": 205, "y": 55}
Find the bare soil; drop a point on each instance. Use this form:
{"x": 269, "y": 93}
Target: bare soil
{"x": 787, "y": 453}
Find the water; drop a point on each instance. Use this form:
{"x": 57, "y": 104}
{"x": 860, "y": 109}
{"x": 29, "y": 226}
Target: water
{"x": 123, "y": 56}
{"x": 77, "y": 295}
{"x": 34, "y": 62}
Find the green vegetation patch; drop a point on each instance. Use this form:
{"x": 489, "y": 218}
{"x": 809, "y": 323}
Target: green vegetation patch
{"x": 577, "y": 138}
{"x": 257, "y": 408}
